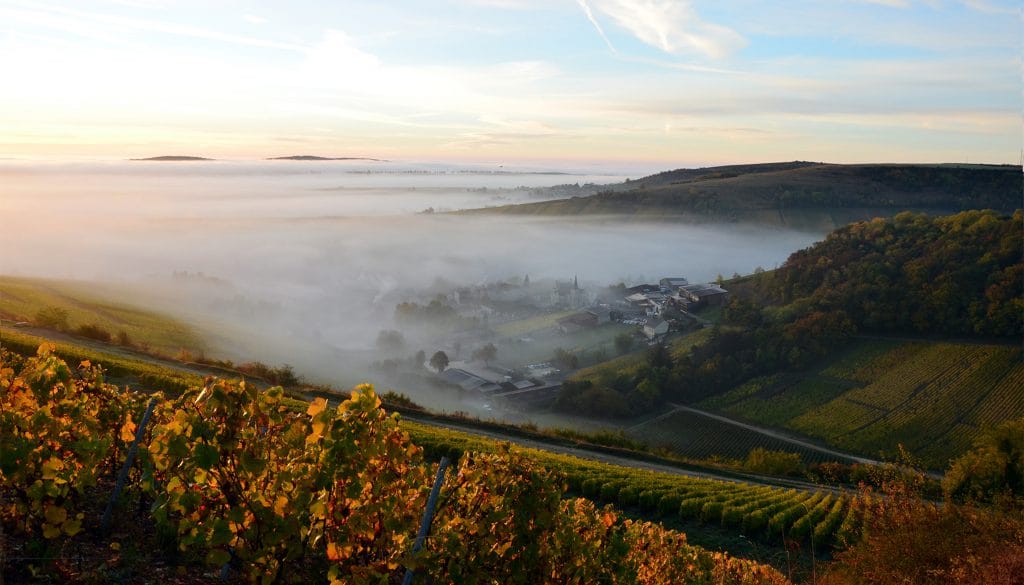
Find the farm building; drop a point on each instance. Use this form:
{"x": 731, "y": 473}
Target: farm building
{"x": 655, "y": 328}
{"x": 704, "y": 294}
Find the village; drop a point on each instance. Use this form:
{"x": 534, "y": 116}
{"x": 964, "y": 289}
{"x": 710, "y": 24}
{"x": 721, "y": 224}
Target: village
{"x": 510, "y": 344}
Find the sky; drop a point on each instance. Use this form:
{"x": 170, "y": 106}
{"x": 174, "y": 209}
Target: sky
{"x": 681, "y": 82}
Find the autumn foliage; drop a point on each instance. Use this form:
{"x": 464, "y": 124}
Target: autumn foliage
{"x": 239, "y": 479}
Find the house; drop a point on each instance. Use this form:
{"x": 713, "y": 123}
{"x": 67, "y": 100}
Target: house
{"x": 673, "y": 282}
{"x": 704, "y": 294}
{"x": 651, "y": 303}
{"x": 533, "y": 396}
{"x": 642, "y": 288}
{"x": 655, "y": 328}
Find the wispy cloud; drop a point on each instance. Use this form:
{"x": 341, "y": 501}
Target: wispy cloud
{"x": 597, "y": 26}
{"x": 990, "y": 8}
{"x": 672, "y": 26}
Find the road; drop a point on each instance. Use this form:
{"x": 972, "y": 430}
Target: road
{"x": 771, "y": 433}
{"x": 583, "y": 452}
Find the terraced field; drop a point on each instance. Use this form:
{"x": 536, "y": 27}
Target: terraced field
{"x": 932, "y": 398}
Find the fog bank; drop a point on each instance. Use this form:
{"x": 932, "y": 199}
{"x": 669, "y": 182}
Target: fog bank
{"x": 306, "y": 268}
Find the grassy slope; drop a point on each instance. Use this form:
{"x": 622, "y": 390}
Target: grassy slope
{"x": 604, "y": 373}
{"x": 931, "y": 397}
{"x": 121, "y": 367}
{"x": 90, "y": 304}
{"x": 797, "y": 194}
{"x": 529, "y": 325}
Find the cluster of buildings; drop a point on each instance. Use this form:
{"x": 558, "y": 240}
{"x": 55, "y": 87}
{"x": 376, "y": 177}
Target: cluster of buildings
{"x": 500, "y": 383}
{"x": 493, "y": 301}
{"x": 651, "y": 306}
{"x": 654, "y": 308}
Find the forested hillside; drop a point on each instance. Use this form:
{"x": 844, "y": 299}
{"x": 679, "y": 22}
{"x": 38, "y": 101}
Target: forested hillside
{"x": 798, "y": 192}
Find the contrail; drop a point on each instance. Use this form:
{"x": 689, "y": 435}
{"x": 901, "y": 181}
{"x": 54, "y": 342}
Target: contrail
{"x": 590, "y": 16}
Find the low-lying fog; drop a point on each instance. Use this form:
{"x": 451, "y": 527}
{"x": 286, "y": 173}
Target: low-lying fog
{"x": 304, "y": 262}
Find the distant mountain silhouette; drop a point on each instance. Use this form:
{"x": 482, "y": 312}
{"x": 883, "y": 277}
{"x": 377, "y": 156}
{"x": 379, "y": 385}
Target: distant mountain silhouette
{"x": 311, "y": 157}
{"x": 172, "y": 158}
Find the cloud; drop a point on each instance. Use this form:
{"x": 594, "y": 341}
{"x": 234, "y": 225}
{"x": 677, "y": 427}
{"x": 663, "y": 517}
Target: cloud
{"x": 597, "y": 26}
{"x": 990, "y": 8}
{"x": 672, "y": 26}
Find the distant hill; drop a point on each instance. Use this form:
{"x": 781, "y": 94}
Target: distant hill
{"x": 170, "y": 158}
{"x": 820, "y": 194}
{"x": 311, "y": 157}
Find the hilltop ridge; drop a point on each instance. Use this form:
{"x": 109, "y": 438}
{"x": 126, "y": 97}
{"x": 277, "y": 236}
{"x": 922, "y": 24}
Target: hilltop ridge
{"x": 310, "y": 157}
{"x": 793, "y": 192}
{"x": 171, "y": 158}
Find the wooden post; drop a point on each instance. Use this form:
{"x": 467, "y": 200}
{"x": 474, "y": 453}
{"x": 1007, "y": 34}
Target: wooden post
{"x": 428, "y": 516}
{"x": 123, "y": 475}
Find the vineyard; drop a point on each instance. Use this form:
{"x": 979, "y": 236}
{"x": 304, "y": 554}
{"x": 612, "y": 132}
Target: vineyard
{"x": 743, "y": 506}
{"x": 700, "y": 437}
{"x": 933, "y": 398}
{"x": 236, "y": 479}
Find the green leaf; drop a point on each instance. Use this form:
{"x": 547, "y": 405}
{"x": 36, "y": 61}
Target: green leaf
{"x": 217, "y": 557}
{"x": 205, "y": 456}
{"x": 221, "y": 534}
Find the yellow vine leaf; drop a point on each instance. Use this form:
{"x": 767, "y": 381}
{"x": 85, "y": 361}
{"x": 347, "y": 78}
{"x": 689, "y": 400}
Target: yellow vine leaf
{"x": 317, "y": 406}
{"x": 56, "y": 514}
{"x": 608, "y": 518}
{"x": 51, "y": 467}
{"x": 128, "y": 430}
{"x": 281, "y": 505}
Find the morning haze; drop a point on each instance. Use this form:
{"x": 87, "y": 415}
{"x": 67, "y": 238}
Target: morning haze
{"x": 305, "y": 264}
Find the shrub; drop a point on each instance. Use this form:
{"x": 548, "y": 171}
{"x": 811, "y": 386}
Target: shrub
{"x": 761, "y": 460}
{"x": 93, "y": 331}
{"x": 754, "y": 522}
{"x": 52, "y": 318}
{"x": 629, "y": 496}
{"x": 993, "y": 471}
{"x": 690, "y": 507}
{"x": 649, "y": 499}
{"x": 910, "y": 540}
{"x": 610, "y": 491}
{"x": 669, "y": 504}
{"x": 712, "y": 511}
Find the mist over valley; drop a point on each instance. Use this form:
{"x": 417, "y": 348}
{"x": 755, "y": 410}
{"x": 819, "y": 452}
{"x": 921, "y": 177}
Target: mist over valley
{"x": 304, "y": 263}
